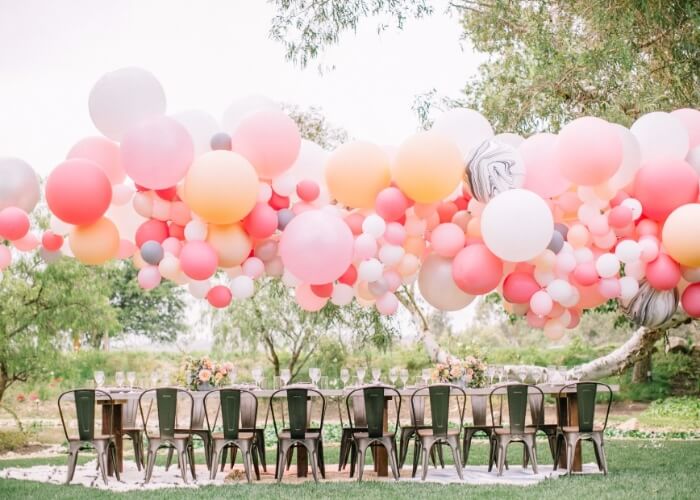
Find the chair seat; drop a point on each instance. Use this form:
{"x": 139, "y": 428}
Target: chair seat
{"x": 132, "y": 429}
{"x": 176, "y": 436}
{"x": 361, "y": 435}
{"x": 502, "y": 431}
{"x": 308, "y": 435}
{"x": 241, "y": 435}
{"x": 429, "y": 432}
{"x": 572, "y": 428}
{"x": 473, "y": 426}
{"x": 96, "y": 437}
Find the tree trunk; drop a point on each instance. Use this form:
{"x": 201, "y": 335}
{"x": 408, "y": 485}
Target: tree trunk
{"x": 641, "y": 372}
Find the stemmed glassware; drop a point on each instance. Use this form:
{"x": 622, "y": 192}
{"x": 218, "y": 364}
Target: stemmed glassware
{"x": 119, "y": 379}
{"x": 232, "y": 375}
{"x": 425, "y": 375}
{"x": 344, "y": 376}
{"x": 537, "y": 375}
{"x": 285, "y": 376}
{"x": 499, "y": 370}
{"x": 131, "y": 379}
{"x": 361, "y": 375}
{"x": 376, "y": 375}
{"x": 403, "y": 375}
{"x": 99, "y": 376}
{"x": 188, "y": 379}
{"x": 393, "y": 375}
{"x": 577, "y": 374}
{"x": 563, "y": 374}
{"x": 257, "y": 373}
{"x": 490, "y": 372}
{"x": 315, "y": 375}
{"x": 523, "y": 373}
{"x": 154, "y": 378}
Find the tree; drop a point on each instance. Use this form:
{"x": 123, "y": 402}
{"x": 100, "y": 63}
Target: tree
{"x": 272, "y": 320}
{"x": 313, "y": 126}
{"x": 43, "y": 308}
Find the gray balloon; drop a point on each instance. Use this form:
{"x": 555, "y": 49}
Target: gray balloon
{"x": 19, "y": 185}
{"x": 284, "y": 217}
{"x": 562, "y": 229}
{"x": 220, "y": 140}
{"x": 556, "y": 242}
{"x": 152, "y": 252}
{"x": 651, "y": 307}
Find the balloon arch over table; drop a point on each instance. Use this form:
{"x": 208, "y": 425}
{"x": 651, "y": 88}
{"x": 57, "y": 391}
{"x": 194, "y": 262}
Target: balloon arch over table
{"x": 555, "y": 223}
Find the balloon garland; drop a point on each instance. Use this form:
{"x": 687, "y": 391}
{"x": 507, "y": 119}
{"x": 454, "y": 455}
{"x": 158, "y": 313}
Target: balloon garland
{"x": 555, "y": 223}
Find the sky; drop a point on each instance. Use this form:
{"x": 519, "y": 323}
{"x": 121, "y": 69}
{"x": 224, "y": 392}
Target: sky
{"x": 206, "y": 54}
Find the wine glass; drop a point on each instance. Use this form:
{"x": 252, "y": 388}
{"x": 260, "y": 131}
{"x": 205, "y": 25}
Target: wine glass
{"x": 393, "y": 375}
{"x": 154, "y": 378}
{"x": 188, "y": 379}
{"x": 99, "y": 376}
{"x": 361, "y": 375}
{"x": 490, "y": 372}
{"x": 523, "y": 373}
{"x": 577, "y": 374}
{"x": 119, "y": 379}
{"x": 257, "y": 373}
{"x": 131, "y": 378}
{"x": 376, "y": 374}
{"x": 403, "y": 375}
{"x": 233, "y": 375}
{"x": 315, "y": 375}
{"x": 285, "y": 376}
{"x": 344, "y": 376}
{"x": 499, "y": 373}
{"x": 425, "y": 375}
{"x": 563, "y": 374}
{"x": 537, "y": 375}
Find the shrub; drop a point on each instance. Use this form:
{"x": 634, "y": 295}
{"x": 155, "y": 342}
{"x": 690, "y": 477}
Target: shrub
{"x": 12, "y": 440}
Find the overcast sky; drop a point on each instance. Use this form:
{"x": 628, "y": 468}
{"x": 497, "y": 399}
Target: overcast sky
{"x": 207, "y": 53}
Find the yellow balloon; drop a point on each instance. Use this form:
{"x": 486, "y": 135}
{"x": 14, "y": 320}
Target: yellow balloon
{"x": 232, "y": 244}
{"x": 681, "y": 235}
{"x": 428, "y": 167}
{"x": 95, "y": 243}
{"x": 356, "y": 172}
{"x": 221, "y": 187}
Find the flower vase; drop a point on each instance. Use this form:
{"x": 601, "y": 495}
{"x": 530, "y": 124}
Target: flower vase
{"x": 204, "y": 386}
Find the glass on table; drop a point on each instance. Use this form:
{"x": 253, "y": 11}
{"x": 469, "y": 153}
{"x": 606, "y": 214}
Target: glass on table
{"x": 361, "y": 375}
{"x": 344, "y": 376}
{"x": 376, "y": 375}
{"x": 99, "y": 377}
{"x": 403, "y": 375}
{"x": 315, "y": 375}
{"x": 119, "y": 379}
{"x": 131, "y": 379}
{"x": 536, "y": 374}
{"x": 285, "y": 376}
{"x": 257, "y": 373}
{"x": 523, "y": 372}
{"x": 490, "y": 372}
{"x": 563, "y": 374}
{"x": 232, "y": 375}
{"x": 393, "y": 375}
{"x": 425, "y": 375}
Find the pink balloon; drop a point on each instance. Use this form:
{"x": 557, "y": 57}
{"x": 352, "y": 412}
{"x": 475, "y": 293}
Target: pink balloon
{"x": 51, "y": 241}
{"x": 535, "y": 321}
{"x": 575, "y": 319}
{"x": 542, "y": 173}
{"x": 172, "y": 246}
{"x": 541, "y": 303}
{"x": 78, "y": 192}
{"x": 308, "y": 300}
{"x": 391, "y": 204}
{"x": 261, "y": 222}
{"x": 308, "y": 190}
{"x": 5, "y": 257}
{"x": 104, "y": 153}
{"x": 253, "y": 267}
{"x": 149, "y": 277}
{"x": 586, "y": 274}
{"x": 663, "y": 273}
{"x": 387, "y": 304}
{"x": 620, "y": 216}
{"x": 157, "y": 153}
{"x": 664, "y": 185}
{"x": 151, "y": 230}
{"x": 690, "y": 300}
{"x": 393, "y": 280}
{"x": 691, "y": 121}
{"x": 447, "y": 239}
{"x": 219, "y": 296}
{"x": 476, "y": 270}
{"x": 354, "y": 222}
{"x": 198, "y": 260}
{"x": 609, "y": 287}
{"x": 126, "y": 249}
{"x": 588, "y": 151}
{"x": 14, "y": 223}
{"x": 26, "y": 243}
{"x": 316, "y": 247}
{"x": 395, "y": 233}
{"x": 519, "y": 287}
{"x": 365, "y": 247}
{"x": 269, "y": 140}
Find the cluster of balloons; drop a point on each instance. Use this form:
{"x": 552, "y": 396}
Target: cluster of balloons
{"x": 555, "y": 223}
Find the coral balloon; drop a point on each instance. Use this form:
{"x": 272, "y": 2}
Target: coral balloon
{"x": 151, "y": 230}
{"x": 308, "y": 300}
{"x": 681, "y": 235}
{"x": 356, "y": 173}
{"x": 428, "y": 167}
{"x": 447, "y": 240}
{"x": 51, "y": 241}
{"x": 231, "y": 243}
{"x": 437, "y": 286}
{"x": 219, "y": 296}
{"x": 690, "y": 300}
{"x": 78, "y": 192}
{"x": 198, "y": 260}
{"x": 221, "y": 187}
{"x": 95, "y": 243}
{"x": 261, "y": 222}
{"x": 664, "y": 273}
{"x": 349, "y": 277}
{"x": 308, "y": 190}
{"x": 519, "y": 287}
{"x": 664, "y": 185}
{"x": 476, "y": 270}
{"x": 14, "y": 223}
{"x": 323, "y": 291}
{"x": 391, "y": 204}
{"x": 104, "y": 153}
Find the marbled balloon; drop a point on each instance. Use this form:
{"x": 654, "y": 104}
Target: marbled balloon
{"x": 651, "y": 307}
{"x": 493, "y": 167}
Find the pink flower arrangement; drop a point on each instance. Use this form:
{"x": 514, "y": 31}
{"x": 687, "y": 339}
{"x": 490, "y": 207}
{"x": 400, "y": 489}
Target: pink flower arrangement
{"x": 196, "y": 371}
{"x": 471, "y": 370}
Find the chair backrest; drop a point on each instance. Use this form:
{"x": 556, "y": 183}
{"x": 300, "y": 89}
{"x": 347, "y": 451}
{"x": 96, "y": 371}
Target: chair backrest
{"x": 586, "y": 398}
{"x": 130, "y": 413}
{"x": 374, "y": 400}
{"x": 83, "y": 410}
{"x": 298, "y": 409}
{"x": 225, "y": 408}
{"x": 440, "y": 397}
{"x": 173, "y": 410}
{"x": 517, "y": 398}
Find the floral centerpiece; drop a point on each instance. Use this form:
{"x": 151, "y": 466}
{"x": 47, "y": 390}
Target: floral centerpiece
{"x": 471, "y": 371}
{"x": 203, "y": 373}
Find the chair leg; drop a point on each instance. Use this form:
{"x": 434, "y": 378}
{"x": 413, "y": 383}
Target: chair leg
{"x": 440, "y": 457}
{"x": 190, "y": 459}
{"x": 390, "y": 446}
{"x": 255, "y": 457}
{"x": 312, "y": 448}
{"x": 72, "y": 462}
{"x": 182, "y": 463}
{"x": 281, "y": 463}
{"x": 247, "y": 464}
{"x": 320, "y": 459}
{"x": 466, "y": 445}
{"x": 455, "y": 456}
{"x": 559, "y": 439}
{"x": 417, "y": 450}
{"x": 216, "y": 456}
{"x": 599, "y": 447}
{"x": 112, "y": 447}
{"x": 342, "y": 460}
{"x": 427, "y": 450}
{"x": 570, "y": 448}
{"x": 353, "y": 458}
{"x": 360, "y": 460}
{"x": 260, "y": 445}
{"x": 502, "y": 449}
{"x": 531, "y": 452}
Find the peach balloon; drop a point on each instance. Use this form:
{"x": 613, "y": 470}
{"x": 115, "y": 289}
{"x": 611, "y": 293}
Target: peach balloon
{"x": 428, "y": 167}
{"x": 95, "y": 243}
{"x": 104, "y": 153}
{"x": 231, "y": 243}
{"x": 356, "y": 173}
{"x": 308, "y": 300}
{"x": 681, "y": 235}
{"x": 221, "y": 187}
{"x": 542, "y": 174}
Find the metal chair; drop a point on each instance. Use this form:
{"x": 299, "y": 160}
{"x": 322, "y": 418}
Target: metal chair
{"x": 515, "y": 431}
{"x": 409, "y": 432}
{"x": 103, "y": 443}
{"x": 439, "y": 396}
{"x": 223, "y": 409}
{"x": 299, "y": 432}
{"x": 480, "y": 424}
{"x": 132, "y": 429}
{"x": 586, "y": 429}
{"x": 358, "y": 423}
{"x": 198, "y": 429}
{"x": 374, "y": 398}
{"x": 549, "y": 430}
{"x": 249, "y": 415}
{"x": 166, "y": 430}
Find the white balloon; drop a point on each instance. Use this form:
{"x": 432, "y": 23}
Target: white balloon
{"x": 122, "y": 99}
{"x": 196, "y": 230}
{"x": 391, "y": 254}
{"x": 374, "y": 226}
{"x": 633, "y": 204}
{"x": 559, "y": 289}
{"x": 241, "y": 108}
{"x": 649, "y": 248}
{"x": 628, "y": 251}
{"x": 199, "y": 289}
{"x": 631, "y": 159}
{"x": 629, "y": 287}
{"x": 285, "y": 184}
{"x": 583, "y": 255}
{"x": 19, "y": 186}
{"x": 342, "y": 294}
{"x": 607, "y": 265}
{"x": 517, "y": 225}
{"x": 661, "y": 135}
{"x": 201, "y": 126}
{"x": 311, "y": 163}
{"x": 290, "y": 280}
{"x": 572, "y": 299}
{"x": 543, "y": 277}
{"x": 169, "y": 267}
{"x": 370, "y": 270}
{"x": 242, "y": 287}
{"x": 466, "y": 127}
{"x": 437, "y": 286}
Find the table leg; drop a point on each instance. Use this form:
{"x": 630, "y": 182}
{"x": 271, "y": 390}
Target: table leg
{"x": 109, "y": 411}
{"x": 382, "y": 457}
{"x": 573, "y": 421}
{"x": 302, "y": 462}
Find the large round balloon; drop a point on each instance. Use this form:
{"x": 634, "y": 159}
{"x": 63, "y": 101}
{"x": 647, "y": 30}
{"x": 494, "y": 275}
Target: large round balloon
{"x": 221, "y": 187}
{"x": 467, "y": 128}
{"x": 78, "y": 192}
{"x": 493, "y": 167}
{"x": 201, "y": 126}
{"x": 20, "y": 185}
{"x": 270, "y": 140}
{"x": 316, "y": 247}
{"x": 14, "y": 223}
{"x": 428, "y": 167}
{"x": 231, "y": 244}
{"x": 661, "y": 136}
{"x": 356, "y": 172}
{"x": 517, "y": 225}
{"x": 95, "y": 243}
{"x": 104, "y": 153}
{"x": 476, "y": 270}
{"x": 631, "y": 159}
{"x": 542, "y": 174}
{"x": 437, "y": 286}
{"x": 664, "y": 185}
{"x": 123, "y": 98}
{"x": 651, "y": 307}
{"x": 681, "y": 235}
{"x": 244, "y": 107}
{"x": 198, "y": 260}
{"x": 157, "y": 153}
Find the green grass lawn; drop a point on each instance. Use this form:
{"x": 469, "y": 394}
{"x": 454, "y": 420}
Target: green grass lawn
{"x": 638, "y": 468}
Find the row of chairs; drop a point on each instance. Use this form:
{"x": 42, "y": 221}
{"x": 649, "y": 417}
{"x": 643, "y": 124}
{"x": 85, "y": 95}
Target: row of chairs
{"x": 437, "y": 414}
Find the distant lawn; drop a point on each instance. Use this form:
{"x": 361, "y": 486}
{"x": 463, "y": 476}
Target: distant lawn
{"x": 638, "y": 469}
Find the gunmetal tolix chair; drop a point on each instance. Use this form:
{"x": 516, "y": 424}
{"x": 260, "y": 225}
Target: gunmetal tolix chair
{"x": 132, "y": 428}
{"x": 79, "y": 406}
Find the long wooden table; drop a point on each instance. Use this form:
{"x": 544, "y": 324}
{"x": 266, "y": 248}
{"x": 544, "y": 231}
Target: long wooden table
{"x": 568, "y": 408}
